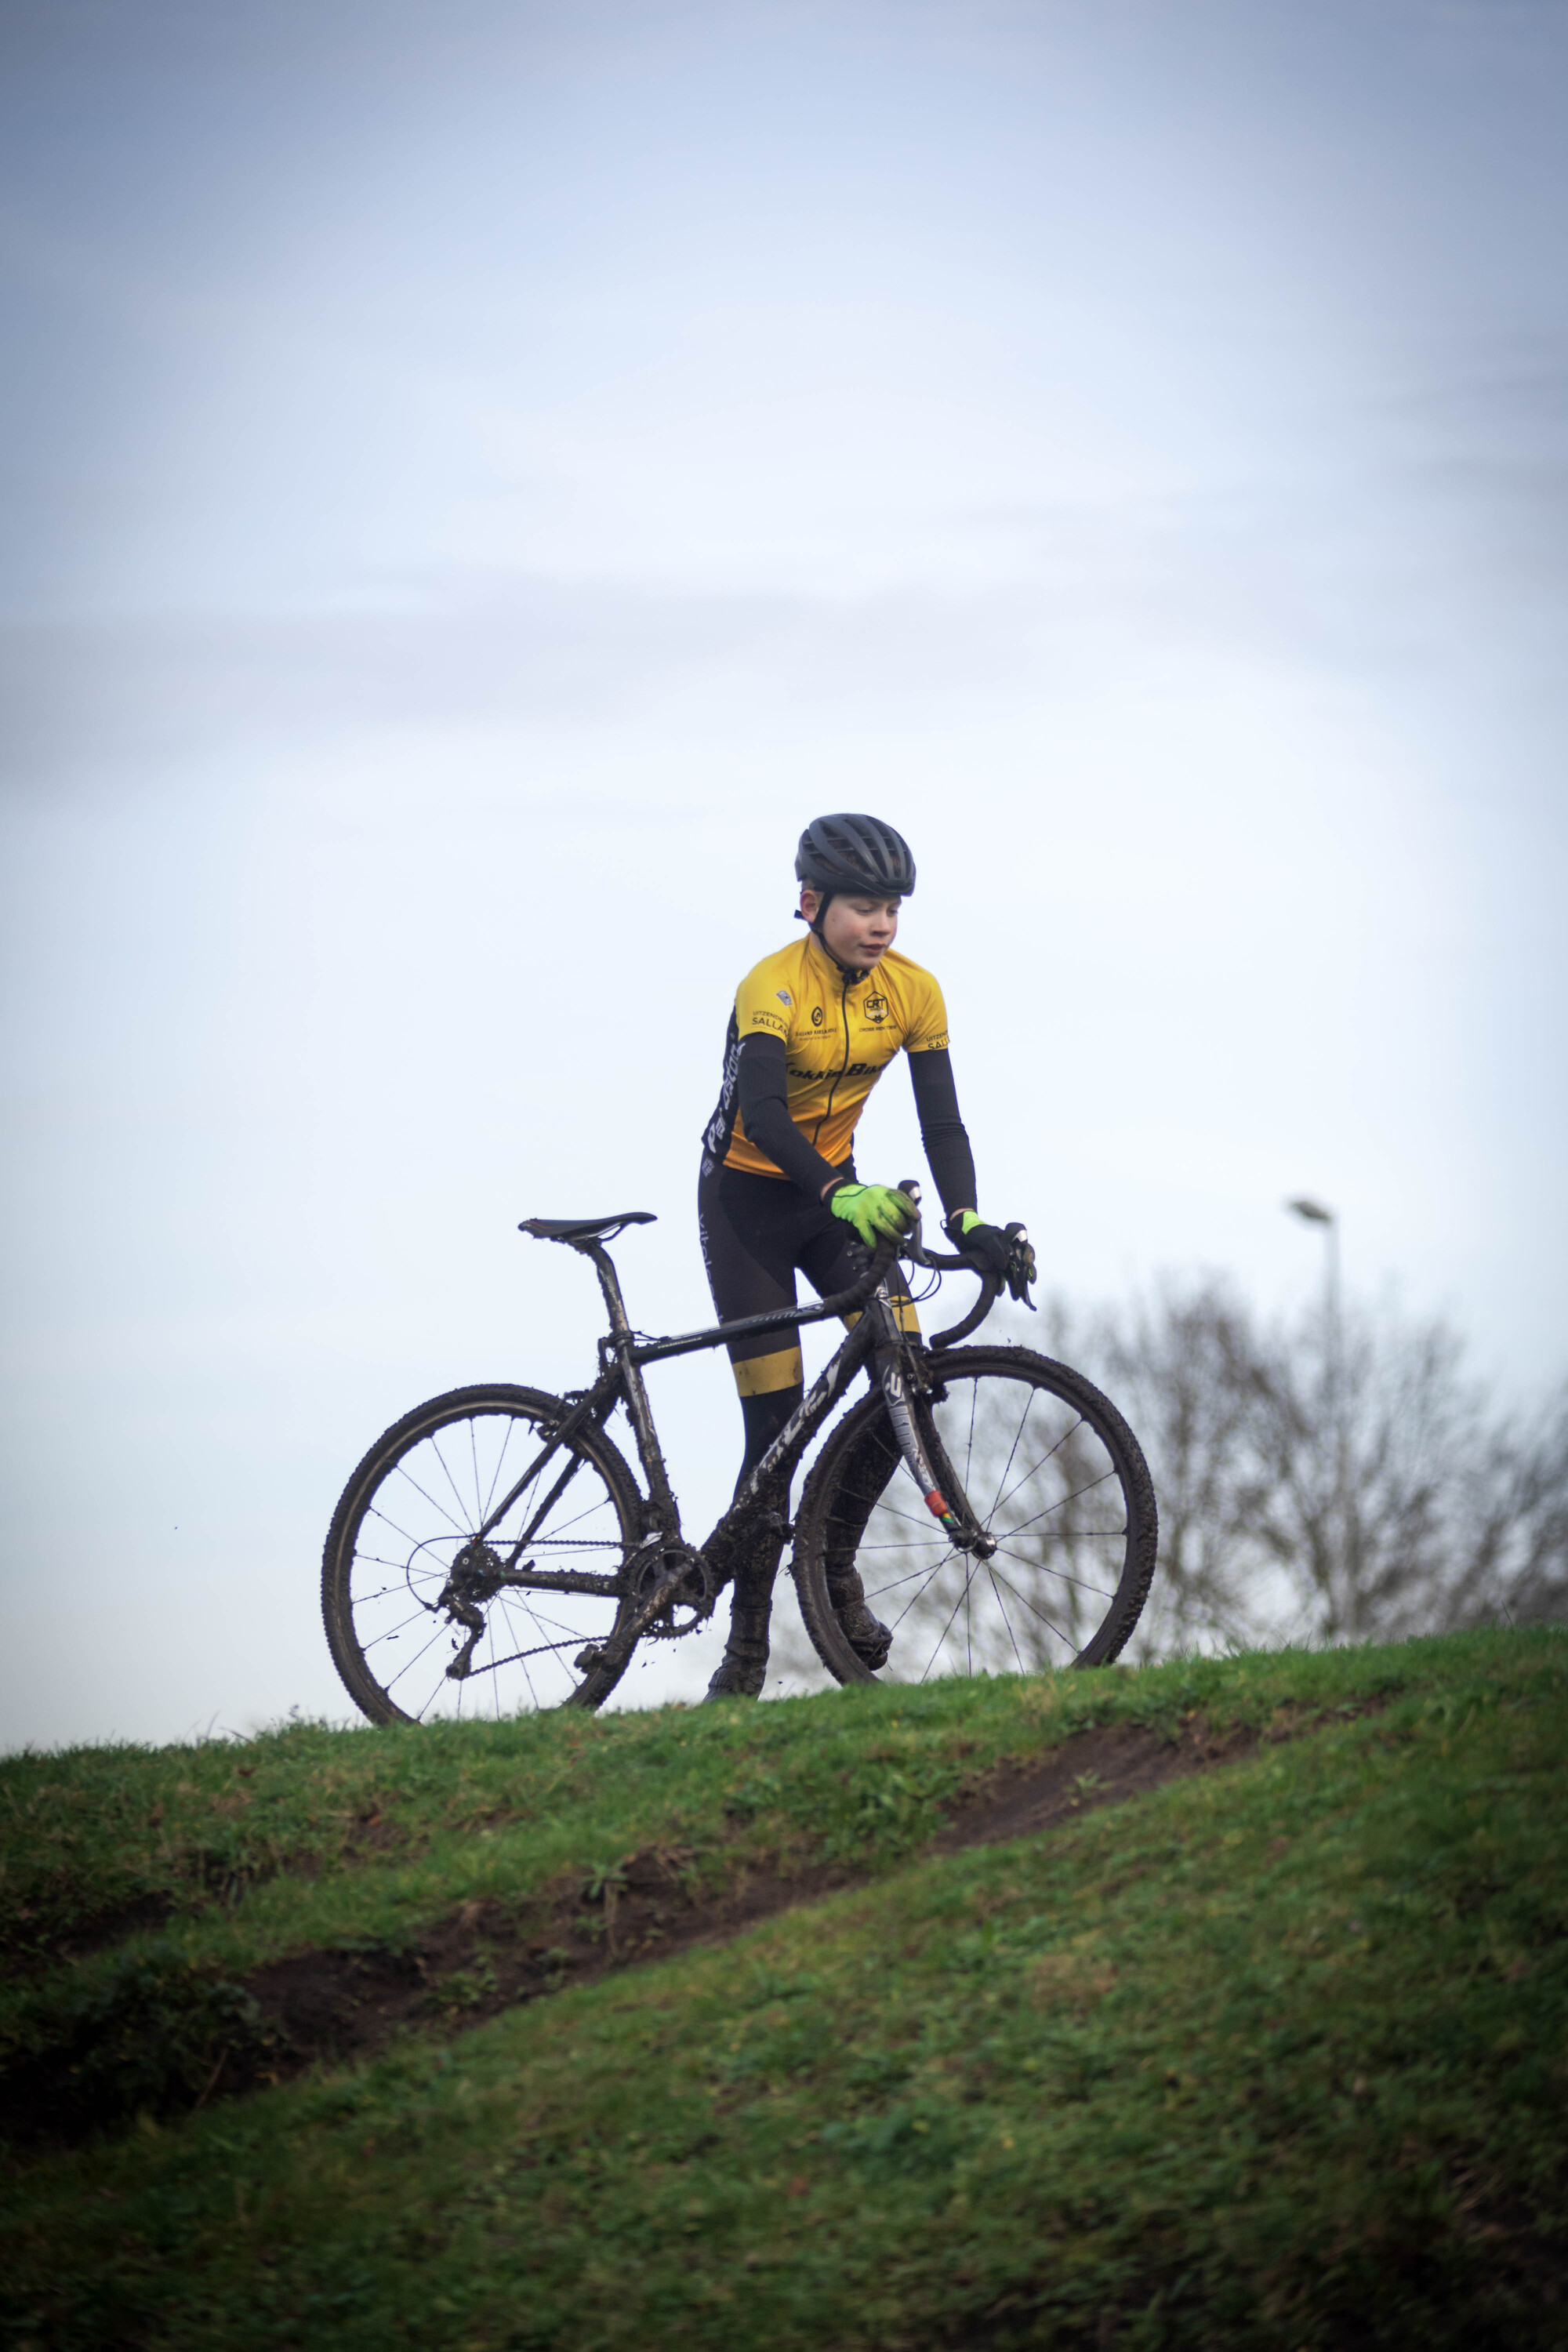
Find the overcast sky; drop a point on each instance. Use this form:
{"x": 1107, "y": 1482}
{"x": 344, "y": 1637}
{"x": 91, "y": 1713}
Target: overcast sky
{"x": 479, "y": 478}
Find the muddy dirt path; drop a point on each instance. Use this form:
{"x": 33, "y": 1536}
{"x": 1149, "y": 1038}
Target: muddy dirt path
{"x": 483, "y": 1958}
{"x": 340, "y": 2007}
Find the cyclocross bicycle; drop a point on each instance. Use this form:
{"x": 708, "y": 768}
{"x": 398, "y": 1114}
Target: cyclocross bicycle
{"x": 495, "y": 1552}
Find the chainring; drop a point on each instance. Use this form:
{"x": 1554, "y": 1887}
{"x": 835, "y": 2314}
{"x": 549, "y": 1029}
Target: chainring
{"x": 692, "y": 1603}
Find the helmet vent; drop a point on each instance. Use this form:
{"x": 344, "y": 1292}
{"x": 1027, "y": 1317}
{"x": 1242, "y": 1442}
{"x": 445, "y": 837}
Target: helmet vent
{"x": 858, "y": 854}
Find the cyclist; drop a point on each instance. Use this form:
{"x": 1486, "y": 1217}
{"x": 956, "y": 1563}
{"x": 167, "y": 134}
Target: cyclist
{"x": 812, "y": 1028}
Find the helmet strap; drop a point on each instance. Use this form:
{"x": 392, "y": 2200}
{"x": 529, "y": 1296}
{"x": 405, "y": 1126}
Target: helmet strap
{"x": 850, "y": 971}
{"x": 827, "y": 898}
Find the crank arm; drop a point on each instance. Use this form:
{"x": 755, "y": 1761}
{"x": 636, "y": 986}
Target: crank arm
{"x": 614, "y": 1653}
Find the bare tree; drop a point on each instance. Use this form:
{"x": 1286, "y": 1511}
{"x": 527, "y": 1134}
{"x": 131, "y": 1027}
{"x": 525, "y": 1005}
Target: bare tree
{"x": 1516, "y": 1571}
{"x": 1178, "y": 1362}
{"x": 1329, "y": 1486}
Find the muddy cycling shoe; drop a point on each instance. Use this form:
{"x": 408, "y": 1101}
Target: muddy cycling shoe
{"x": 744, "y": 1668}
{"x": 867, "y": 1635}
{"x": 737, "y": 1678}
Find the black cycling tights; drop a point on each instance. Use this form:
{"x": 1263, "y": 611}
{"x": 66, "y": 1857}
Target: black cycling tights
{"x": 756, "y": 1231}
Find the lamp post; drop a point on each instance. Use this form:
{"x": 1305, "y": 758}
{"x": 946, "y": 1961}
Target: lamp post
{"x": 1313, "y": 1213}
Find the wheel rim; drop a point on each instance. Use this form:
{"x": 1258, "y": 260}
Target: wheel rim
{"x": 1051, "y": 1496}
{"x": 418, "y": 1575}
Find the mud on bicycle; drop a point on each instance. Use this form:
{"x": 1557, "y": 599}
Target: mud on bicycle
{"x": 495, "y": 1552}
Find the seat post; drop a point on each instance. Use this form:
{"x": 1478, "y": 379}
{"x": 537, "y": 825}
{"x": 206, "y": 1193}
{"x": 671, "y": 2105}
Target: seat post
{"x": 610, "y": 1283}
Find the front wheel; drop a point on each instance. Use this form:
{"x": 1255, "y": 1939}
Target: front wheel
{"x": 411, "y": 1591}
{"x": 1059, "y": 1488}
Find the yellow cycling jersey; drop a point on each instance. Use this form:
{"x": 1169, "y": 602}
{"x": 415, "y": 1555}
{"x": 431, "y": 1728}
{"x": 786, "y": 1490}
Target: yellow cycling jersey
{"x": 839, "y": 1031}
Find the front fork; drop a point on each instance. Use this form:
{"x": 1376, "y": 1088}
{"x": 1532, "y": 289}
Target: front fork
{"x": 902, "y": 1379}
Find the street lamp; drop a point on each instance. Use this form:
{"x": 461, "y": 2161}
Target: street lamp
{"x": 1313, "y": 1213}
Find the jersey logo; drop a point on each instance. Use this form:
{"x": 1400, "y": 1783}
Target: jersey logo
{"x": 784, "y": 996}
{"x": 875, "y": 1008}
{"x": 816, "y": 1016}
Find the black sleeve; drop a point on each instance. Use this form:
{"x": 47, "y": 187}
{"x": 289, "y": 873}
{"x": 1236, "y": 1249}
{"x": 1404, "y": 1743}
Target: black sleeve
{"x": 764, "y": 1113}
{"x": 942, "y": 1130}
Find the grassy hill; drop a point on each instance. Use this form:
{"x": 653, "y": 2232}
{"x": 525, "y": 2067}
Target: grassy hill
{"x": 1217, "y": 2004}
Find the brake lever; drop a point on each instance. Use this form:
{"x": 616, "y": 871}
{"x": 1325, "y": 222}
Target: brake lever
{"x": 914, "y": 1248}
{"x": 911, "y": 1246}
{"x": 992, "y": 1285}
{"x": 1020, "y": 1232}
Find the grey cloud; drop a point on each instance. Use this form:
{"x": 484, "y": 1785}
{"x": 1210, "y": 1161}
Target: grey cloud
{"x": 129, "y": 691}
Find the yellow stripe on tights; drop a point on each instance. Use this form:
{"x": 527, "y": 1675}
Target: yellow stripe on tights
{"x": 761, "y": 1375}
{"x": 904, "y": 1308}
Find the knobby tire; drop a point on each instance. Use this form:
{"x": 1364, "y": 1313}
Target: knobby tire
{"x": 405, "y": 1517}
{"x": 1056, "y": 1478}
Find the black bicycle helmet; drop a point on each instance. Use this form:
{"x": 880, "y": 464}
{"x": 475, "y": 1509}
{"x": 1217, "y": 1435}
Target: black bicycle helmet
{"x": 857, "y": 854}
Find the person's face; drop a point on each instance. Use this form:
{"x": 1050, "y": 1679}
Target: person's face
{"x": 857, "y": 932}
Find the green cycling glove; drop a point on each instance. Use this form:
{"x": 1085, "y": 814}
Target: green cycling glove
{"x": 874, "y": 1210}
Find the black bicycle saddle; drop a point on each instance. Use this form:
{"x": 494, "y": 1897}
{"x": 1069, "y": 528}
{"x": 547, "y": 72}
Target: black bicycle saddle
{"x": 583, "y": 1229}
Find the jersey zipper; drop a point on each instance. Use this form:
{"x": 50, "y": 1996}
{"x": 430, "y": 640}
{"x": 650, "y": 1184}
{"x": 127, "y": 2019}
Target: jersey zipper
{"x": 833, "y": 1089}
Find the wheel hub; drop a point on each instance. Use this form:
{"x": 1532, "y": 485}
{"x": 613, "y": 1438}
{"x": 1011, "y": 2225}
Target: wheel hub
{"x": 978, "y": 1545}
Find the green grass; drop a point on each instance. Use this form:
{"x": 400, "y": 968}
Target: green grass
{"x": 306, "y": 1834}
{"x": 1271, "y": 2057}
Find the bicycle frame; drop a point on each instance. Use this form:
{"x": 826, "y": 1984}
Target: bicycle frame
{"x": 874, "y": 1332}
{"x": 414, "y": 1532}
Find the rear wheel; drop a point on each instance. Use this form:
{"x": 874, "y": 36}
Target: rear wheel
{"x": 1059, "y": 1486}
{"x": 409, "y": 1588}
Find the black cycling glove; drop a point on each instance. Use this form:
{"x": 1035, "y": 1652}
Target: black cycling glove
{"x": 1003, "y": 1250}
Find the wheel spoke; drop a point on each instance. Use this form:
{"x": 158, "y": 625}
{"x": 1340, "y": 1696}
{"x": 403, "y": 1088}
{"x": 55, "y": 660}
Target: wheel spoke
{"x": 1061, "y": 1503}
{"x": 495, "y": 1474}
{"x": 1034, "y": 1468}
{"x": 1013, "y": 1449}
{"x": 457, "y": 1490}
{"x": 929, "y": 1574}
{"x": 900, "y": 1580}
{"x": 1002, "y": 1607}
{"x": 382, "y": 1591}
{"x": 474, "y": 1461}
{"x": 1025, "y": 1603}
{"x": 404, "y": 1471}
{"x": 1046, "y": 1621}
{"x": 908, "y": 1518}
{"x": 409, "y": 1664}
{"x": 415, "y": 1543}
{"x": 1077, "y": 1582}
{"x": 947, "y": 1628}
{"x": 393, "y": 1632}
{"x": 404, "y": 1567}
